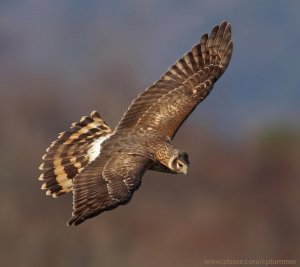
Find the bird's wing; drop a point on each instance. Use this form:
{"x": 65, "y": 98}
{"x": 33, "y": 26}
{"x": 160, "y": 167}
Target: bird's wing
{"x": 167, "y": 103}
{"x": 106, "y": 183}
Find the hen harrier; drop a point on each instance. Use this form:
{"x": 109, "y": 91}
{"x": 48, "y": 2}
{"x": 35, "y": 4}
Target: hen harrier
{"x": 103, "y": 167}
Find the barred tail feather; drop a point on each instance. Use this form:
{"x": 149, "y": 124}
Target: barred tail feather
{"x": 71, "y": 152}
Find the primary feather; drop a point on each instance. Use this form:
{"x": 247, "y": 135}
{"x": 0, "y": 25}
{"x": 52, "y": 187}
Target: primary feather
{"x": 167, "y": 103}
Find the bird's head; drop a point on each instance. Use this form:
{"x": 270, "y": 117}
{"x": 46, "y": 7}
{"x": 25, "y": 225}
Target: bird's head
{"x": 179, "y": 163}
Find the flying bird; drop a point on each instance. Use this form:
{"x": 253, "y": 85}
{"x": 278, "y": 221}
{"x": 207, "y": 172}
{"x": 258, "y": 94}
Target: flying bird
{"x": 103, "y": 167}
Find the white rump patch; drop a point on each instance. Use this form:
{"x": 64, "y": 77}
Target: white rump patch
{"x": 95, "y": 149}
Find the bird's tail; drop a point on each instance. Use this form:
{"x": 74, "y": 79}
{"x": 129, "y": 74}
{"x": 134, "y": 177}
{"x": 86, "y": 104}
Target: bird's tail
{"x": 71, "y": 152}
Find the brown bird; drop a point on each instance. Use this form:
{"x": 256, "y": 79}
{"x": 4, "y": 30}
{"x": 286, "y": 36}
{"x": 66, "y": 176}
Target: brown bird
{"x": 103, "y": 167}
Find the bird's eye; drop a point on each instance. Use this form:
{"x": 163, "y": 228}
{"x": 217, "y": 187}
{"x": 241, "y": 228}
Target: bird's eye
{"x": 179, "y": 163}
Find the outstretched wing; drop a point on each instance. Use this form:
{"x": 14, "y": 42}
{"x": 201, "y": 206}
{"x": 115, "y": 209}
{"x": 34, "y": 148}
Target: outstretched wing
{"x": 106, "y": 183}
{"x": 168, "y": 102}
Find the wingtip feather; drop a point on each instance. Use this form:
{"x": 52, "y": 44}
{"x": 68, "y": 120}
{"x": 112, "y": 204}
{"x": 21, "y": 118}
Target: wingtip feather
{"x": 41, "y": 167}
{"x": 44, "y": 186}
{"x": 41, "y": 177}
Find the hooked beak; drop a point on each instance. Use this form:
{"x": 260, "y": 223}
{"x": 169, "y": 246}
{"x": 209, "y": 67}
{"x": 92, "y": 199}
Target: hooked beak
{"x": 184, "y": 170}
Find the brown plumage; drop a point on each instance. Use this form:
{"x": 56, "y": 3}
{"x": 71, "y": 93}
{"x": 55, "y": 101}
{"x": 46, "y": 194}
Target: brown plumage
{"x": 103, "y": 167}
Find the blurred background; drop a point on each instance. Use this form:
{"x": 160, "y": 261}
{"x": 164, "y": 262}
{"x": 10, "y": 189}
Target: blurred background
{"x": 59, "y": 60}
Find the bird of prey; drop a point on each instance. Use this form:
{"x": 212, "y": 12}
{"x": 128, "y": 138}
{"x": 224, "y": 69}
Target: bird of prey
{"x": 103, "y": 167}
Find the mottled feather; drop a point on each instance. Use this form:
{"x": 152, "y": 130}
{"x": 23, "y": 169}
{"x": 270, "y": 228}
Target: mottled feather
{"x": 71, "y": 152}
{"x": 105, "y": 184}
{"x": 168, "y": 102}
